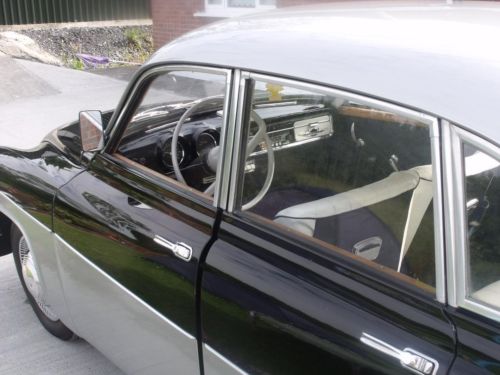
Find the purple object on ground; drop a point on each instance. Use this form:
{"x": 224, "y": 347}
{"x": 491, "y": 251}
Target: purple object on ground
{"x": 90, "y": 60}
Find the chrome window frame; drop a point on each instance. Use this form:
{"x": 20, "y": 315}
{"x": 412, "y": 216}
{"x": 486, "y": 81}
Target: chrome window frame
{"x": 227, "y": 109}
{"x": 455, "y": 218}
{"x": 434, "y": 134}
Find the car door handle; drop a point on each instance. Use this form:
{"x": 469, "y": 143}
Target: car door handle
{"x": 408, "y": 358}
{"x": 180, "y": 249}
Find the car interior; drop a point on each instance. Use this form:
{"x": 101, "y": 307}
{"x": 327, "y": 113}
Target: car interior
{"x": 355, "y": 177}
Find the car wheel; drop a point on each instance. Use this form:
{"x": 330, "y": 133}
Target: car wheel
{"x": 28, "y": 274}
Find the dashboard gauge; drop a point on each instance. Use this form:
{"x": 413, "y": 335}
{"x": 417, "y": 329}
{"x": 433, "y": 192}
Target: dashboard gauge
{"x": 167, "y": 153}
{"x": 205, "y": 142}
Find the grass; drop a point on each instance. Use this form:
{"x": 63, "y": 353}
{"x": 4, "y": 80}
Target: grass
{"x": 75, "y": 63}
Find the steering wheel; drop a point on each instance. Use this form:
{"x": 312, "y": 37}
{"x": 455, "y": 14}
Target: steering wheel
{"x": 216, "y": 100}
{"x": 260, "y": 136}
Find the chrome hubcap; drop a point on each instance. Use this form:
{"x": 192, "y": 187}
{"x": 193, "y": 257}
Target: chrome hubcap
{"x": 31, "y": 279}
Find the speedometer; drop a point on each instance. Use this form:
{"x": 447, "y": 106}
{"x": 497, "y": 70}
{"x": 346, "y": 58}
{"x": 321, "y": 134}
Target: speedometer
{"x": 205, "y": 142}
{"x": 167, "y": 153}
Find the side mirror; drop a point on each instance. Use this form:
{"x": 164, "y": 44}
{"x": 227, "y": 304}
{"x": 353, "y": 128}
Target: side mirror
{"x": 91, "y": 130}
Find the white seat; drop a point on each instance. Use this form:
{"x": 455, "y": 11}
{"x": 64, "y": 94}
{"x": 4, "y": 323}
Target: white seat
{"x": 302, "y": 217}
{"x": 490, "y": 294}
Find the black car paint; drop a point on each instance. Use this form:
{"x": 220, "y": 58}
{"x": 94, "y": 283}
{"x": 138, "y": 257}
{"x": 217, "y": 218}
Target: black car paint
{"x": 101, "y": 206}
{"x": 31, "y": 178}
{"x": 274, "y": 306}
{"x": 93, "y": 207}
{"x": 305, "y": 338}
{"x": 478, "y": 343}
{"x": 260, "y": 327}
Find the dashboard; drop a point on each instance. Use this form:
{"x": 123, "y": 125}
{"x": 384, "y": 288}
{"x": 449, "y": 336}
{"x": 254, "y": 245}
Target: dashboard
{"x": 288, "y": 124}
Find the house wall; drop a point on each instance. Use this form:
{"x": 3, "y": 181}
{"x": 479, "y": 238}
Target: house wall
{"x": 172, "y": 18}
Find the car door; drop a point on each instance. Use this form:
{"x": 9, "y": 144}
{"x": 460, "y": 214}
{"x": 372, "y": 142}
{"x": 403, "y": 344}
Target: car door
{"x": 130, "y": 235}
{"x": 473, "y": 190}
{"x": 329, "y": 256}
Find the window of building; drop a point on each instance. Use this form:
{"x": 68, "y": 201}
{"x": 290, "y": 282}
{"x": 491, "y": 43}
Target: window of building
{"x": 228, "y": 8}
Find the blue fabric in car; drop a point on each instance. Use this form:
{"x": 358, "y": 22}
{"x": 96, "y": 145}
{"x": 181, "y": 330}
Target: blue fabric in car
{"x": 347, "y": 229}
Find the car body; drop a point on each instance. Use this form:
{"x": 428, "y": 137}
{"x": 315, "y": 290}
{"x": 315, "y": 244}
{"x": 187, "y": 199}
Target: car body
{"x": 312, "y": 190}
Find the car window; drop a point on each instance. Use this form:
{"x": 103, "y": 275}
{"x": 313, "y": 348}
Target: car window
{"x": 356, "y": 177}
{"x": 176, "y": 127}
{"x": 482, "y": 207}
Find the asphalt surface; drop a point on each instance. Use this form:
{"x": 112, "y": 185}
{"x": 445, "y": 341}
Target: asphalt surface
{"x": 34, "y": 99}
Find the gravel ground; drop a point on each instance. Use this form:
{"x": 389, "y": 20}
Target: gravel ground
{"x": 119, "y": 43}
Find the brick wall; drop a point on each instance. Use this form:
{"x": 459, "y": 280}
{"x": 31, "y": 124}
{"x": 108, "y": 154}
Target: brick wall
{"x": 172, "y": 18}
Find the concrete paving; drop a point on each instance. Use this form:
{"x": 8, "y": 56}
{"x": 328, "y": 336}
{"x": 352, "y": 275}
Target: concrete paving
{"x": 34, "y": 99}
{"x": 27, "y": 348}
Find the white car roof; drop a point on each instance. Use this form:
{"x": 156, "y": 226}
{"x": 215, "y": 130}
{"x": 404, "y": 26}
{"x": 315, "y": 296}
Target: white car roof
{"x": 438, "y": 58}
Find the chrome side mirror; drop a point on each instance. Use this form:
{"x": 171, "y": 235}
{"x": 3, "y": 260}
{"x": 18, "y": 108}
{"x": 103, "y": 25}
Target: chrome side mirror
{"x": 91, "y": 130}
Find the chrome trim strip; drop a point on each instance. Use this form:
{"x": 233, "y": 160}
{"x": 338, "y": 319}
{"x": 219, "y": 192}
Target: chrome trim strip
{"x": 453, "y": 245}
{"x": 236, "y": 151}
{"x": 224, "y": 365}
{"x": 226, "y": 142}
{"x": 128, "y": 292}
{"x": 162, "y": 69}
{"x": 439, "y": 236}
{"x": 458, "y": 270}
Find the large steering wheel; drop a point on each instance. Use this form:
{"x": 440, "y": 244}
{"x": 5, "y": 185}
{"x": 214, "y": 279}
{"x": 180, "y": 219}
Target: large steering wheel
{"x": 260, "y": 136}
{"x": 216, "y": 100}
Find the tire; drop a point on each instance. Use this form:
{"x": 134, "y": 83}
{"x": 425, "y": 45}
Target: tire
{"x": 22, "y": 254}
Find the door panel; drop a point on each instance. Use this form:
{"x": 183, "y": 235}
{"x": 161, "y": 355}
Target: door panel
{"x": 271, "y": 306}
{"x": 478, "y": 348}
{"x": 113, "y": 218}
{"x": 130, "y": 332}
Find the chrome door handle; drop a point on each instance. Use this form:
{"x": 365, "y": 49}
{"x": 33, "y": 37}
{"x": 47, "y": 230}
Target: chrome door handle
{"x": 408, "y": 358}
{"x": 180, "y": 249}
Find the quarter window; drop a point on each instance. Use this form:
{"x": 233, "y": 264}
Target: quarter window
{"x": 356, "y": 177}
{"x": 482, "y": 207}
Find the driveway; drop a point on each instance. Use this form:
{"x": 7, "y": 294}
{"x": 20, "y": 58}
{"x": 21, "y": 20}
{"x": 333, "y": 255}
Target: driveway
{"x": 34, "y": 99}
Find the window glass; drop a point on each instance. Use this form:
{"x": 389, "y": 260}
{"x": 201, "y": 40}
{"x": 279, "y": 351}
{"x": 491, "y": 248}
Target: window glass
{"x": 355, "y": 177}
{"x": 178, "y": 121}
{"x": 267, "y": 2}
{"x": 241, "y": 3}
{"x": 482, "y": 178}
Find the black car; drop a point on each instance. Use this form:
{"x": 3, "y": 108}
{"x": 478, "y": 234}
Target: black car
{"x": 307, "y": 191}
